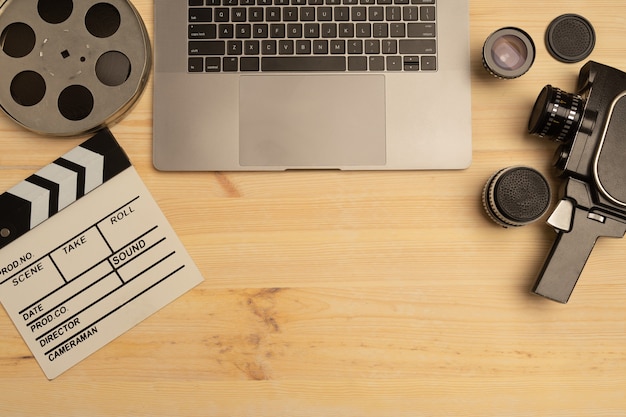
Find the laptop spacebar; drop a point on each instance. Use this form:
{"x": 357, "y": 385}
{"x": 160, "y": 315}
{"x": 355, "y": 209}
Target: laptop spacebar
{"x": 303, "y": 63}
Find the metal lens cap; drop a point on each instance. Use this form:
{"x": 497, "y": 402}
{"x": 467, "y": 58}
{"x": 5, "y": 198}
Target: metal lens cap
{"x": 508, "y": 53}
{"x": 516, "y": 196}
{"x": 570, "y": 38}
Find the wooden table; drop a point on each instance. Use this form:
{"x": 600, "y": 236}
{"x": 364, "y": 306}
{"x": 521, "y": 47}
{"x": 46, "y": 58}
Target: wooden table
{"x": 356, "y": 293}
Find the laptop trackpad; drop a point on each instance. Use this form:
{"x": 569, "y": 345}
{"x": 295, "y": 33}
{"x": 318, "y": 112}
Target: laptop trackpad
{"x": 327, "y": 121}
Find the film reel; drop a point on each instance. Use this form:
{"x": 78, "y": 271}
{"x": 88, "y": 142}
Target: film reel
{"x": 71, "y": 67}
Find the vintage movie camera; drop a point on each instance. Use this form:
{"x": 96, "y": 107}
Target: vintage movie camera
{"x": 591, "y": 128}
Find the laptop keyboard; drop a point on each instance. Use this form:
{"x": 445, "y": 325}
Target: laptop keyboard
{"x": 312, "y": 35}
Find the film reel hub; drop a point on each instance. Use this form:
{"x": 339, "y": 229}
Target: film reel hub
{"x": 65, "y": 56}
{"x": 71, "y": 67}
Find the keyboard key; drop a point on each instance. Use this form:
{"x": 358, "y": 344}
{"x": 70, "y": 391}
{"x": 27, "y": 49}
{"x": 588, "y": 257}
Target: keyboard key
{"x": 372, "y": 46}
{"x": 390, "y": 46}
{"x": 268, "y": 47}
{"x": 307, "y": 14}
{"x": 429, "y": 63}
{"x": 393, "y": 13}
{"x": 243, "y": 31}
{"x": 355, "y": 47}
{"x": 359, "y": 14}
{"x": 377, "y": 63}
{"x": 363, "y": 30}
{"x": 338, "y": 47}
{"x": 324, "y": 14}
{"x": 376, "y": 14}
{"x": 226, "y": 31}
{"x": 329, "y": 30}
{"x": 346, "y": 30}
{"x": 417, "y": 46}
{"x": 427, "y": 13}
{"x": 421, "y": 30}
{"x": 277, "y": 30}
{"x": 239, "y": 14}
{"x": 196, "y": 3}
{"x": 195, "y": 64}
{"x": 290, "y": 14}
{"x": 249, "y": 64}
{"x": 200, "y": 15}
{"x": 342, "y": 14}
{"x": 304, "y": 63}
{"x": 294, "y": 30}
{"x": 397, "y": 30}
{"x": 222, "y": 15}
{"x": 260, "y": 31}
{"x": 380, "y": 30}
{"x": 255, "y": 14}
{"x": 207, "y": 47}
{"x": 394, "y": 63}
{"x": 303, "y": 47}
{"x": 320, "y": 47}
{"x": 285, "y": 47}
{"x": 251, "y": 48}
{"x": 213, "y": 64}
{"x": 273, "y": 14}
{"x": 203, "y": 31}
{"x": 311, "y": 30}
{"x": 235, "y": 47}
{"x": 410, "y": 13}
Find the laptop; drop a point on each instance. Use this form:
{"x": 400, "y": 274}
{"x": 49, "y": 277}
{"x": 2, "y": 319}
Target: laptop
{"x": 250, "y": 85}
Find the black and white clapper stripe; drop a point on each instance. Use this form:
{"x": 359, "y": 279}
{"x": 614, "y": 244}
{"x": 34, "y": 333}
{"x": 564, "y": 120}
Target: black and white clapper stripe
{"x": 59, "y": 184}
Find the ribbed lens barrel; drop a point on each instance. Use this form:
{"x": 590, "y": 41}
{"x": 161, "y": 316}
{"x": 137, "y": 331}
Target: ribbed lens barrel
{"x": 556, "y": 114}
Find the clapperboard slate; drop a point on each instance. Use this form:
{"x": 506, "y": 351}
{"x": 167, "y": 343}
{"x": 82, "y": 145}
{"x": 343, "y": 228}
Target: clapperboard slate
{"x": 86, "y": 254}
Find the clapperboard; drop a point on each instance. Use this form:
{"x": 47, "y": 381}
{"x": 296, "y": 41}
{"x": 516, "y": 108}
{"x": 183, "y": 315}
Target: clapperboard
{"x": 86, "y": 254}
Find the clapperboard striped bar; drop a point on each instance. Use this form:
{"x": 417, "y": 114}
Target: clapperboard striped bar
{"x": 59, "y": 184}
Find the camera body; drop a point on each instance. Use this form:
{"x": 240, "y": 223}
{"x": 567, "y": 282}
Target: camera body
{"x": 591, "y": 127}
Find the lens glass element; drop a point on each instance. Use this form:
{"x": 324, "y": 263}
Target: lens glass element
{"x": 508, "y": 53}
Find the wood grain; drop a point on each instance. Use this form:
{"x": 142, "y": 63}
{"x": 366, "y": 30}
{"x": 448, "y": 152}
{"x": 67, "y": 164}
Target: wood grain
{"x": 359, "y": 293}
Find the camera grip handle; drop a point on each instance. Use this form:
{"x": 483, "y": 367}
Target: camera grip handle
{"x": 570, "y": 252}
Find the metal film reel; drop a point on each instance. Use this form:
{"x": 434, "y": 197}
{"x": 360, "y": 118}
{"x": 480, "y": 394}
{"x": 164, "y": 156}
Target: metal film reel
{"x": 71, "y": 67}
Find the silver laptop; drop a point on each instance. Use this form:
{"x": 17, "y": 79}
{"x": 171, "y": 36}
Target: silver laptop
{"x": 311, "y": 84}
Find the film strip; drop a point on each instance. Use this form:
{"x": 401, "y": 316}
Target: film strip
{"x": 59, "y": 184}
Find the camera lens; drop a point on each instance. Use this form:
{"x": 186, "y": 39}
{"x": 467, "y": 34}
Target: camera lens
{"x": 556, "y": 114}
{"x": 508, "y": 53}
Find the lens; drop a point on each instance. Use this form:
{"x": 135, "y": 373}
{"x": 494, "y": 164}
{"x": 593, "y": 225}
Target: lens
{"x": 556, "y": 114}
{"x": 508, "y": 53}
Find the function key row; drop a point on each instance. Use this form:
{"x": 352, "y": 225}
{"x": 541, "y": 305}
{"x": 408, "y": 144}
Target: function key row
{"x": 200, "y": 3}
{"x": 311, "y": 14}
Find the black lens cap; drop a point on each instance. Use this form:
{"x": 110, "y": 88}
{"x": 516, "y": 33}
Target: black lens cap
{"x": 516, "y": 196}
{"x": 570, "y": 38}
